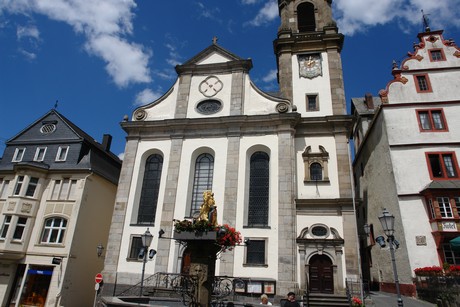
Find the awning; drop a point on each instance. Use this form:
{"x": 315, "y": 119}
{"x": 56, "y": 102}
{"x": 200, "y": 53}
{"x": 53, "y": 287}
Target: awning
{"x": 455, "y": 244}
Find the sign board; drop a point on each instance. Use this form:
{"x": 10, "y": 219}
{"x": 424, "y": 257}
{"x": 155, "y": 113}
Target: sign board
{"x": 449, "y": 226}
{"x": 98, "y": 278}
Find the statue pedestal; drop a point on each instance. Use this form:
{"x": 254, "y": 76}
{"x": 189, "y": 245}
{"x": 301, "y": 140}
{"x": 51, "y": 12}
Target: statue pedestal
{"x": 203, "y": 254}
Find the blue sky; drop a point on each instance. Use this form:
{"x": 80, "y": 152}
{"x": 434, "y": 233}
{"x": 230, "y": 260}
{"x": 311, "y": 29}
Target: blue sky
{"x": 101, "y": 59}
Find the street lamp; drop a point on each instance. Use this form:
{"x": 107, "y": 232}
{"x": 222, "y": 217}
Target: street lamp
{"x": 388, "y": 222}
{"x": 146, "y": 241}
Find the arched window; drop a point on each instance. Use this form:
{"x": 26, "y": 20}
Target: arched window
{"x": 306, "y": 17}
{"x": 54, "y": 230}
{"x": 316, "y": 171}
{"x": 258, "y": 189}
{"x": 202, "y": 181}
{"x": 150, "y": 190}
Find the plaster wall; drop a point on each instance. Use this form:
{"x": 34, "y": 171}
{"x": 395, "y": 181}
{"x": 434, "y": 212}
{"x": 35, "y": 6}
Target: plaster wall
{"x": 164, "y": 107}
{"x": 317, "y": 189}
{"x": 319, "y": 85}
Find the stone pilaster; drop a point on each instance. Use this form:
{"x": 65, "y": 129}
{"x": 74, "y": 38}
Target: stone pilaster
{"x": 237, "y": 96}
{"x": 169, "y": 203}
{"x": 336, "y": 79}
{"x": 183, "y": 95}
{"x": 230, "y": 199}
{"x": 112, "y": 253}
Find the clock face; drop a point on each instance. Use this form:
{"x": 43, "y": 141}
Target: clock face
{"x": 310, "y": 66}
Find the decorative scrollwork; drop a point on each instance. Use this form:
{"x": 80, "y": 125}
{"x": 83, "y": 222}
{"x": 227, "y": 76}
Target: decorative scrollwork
{"x": 282, "y": 107}
{"x": 140, "y": 114}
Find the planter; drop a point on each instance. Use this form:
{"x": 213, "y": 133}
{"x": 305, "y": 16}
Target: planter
{"x": 192, "y": 236}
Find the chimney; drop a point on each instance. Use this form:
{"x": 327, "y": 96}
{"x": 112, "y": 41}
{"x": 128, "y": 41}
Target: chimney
{"x": 106, "y": 142}
{"x": 369, "y": 101}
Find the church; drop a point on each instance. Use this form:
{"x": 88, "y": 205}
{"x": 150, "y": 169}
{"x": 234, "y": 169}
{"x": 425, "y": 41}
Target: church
{"x": 277, "y": 163}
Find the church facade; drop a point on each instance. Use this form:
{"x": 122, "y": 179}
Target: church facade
{"x": 278, "y": 165}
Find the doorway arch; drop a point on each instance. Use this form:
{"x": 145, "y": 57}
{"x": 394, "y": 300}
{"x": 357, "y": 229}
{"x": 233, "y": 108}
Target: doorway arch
{"x": 321, "y": 274}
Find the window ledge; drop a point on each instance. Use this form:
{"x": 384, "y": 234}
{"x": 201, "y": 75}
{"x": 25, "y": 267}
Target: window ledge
{"x": 255, "y": 265}
{"x": 317, "y": 181}
{"x": 261, "y": 227}
{"x": 142, "y": 225}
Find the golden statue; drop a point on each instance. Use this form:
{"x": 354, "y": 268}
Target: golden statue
{"x": 208, "y": 210}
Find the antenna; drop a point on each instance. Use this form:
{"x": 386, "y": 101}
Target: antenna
{"x": 426, "y": 22}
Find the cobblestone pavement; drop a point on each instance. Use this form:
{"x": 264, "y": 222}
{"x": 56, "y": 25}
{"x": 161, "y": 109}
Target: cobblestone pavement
{"x": 383, "y": 299}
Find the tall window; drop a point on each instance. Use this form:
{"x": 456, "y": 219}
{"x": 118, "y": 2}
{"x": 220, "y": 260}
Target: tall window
{"x": 19, "y": 230}
{"x": 202, "y": 181}
{"x": 431, "y": 120}
{"x": 316, "y": 171}
{"x": 444, "y": 207}
{"x": 40, "y": 154}
{"x": 17, "y": 188}
{"x": 306, "y": 17}
{"x": 54, "y": 230}
{"x": 32, "y": 186}
{"x": 450, "y": 256}
{"x": 150, "y": 190}
{"x": 442, "y": 165}
{"x": 258, "y": 190}
{"x": 64, "y": 189}
{"x": 18, "y": 154}
{"x": 312, "y": 102}
{"x": 4, "y": 184}
{"x": 135, "y": 249}
{"x": 62, "y": 153}
{"x": 5, "y": 226}
{"x": 422, "y": 83}
{"x": 255, "y": 252}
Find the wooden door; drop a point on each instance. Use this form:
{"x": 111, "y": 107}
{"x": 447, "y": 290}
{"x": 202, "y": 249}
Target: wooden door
{"x": 321, "y": 275}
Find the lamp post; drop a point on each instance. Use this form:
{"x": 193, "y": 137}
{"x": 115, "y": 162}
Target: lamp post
{"x": 146, "y": 241}
{"x": 388, "y": 221}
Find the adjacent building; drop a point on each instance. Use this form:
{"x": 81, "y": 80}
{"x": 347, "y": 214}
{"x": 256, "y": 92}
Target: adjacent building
{"x": 407, "y": 143}
{"x": 57, "y": 190}
{"x": 278, "y": 165}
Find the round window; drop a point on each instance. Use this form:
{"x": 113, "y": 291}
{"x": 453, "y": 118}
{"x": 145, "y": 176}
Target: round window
{"x": 48, "y": 128}
{"x": 209, "y": 106}
{"x": 319, "y": 231}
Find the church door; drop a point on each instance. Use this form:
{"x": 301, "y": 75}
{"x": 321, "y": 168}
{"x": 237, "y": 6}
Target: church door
{"x": 321, "y": 275}
{"x": 186, "y": 261}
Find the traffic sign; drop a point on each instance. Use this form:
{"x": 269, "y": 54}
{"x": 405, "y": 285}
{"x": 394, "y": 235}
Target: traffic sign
{"x": 98, "y": 278}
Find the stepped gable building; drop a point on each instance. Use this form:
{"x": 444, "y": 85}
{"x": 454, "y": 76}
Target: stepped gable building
{"x": 57, "y": 191}
{"x": 407, "y": 148}
{"x": 278, "y": 165}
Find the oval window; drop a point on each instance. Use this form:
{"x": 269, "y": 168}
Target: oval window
{"x": 319, "y": 231}
{"x": 209, "y": 106}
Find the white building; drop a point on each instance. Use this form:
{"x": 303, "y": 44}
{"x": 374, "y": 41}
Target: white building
{"x": 407, "y": 144}
{"x": 278, "y": 165}
{"x": 57, "y": 190}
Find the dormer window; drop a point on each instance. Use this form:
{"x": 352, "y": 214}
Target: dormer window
{"x": 62, "y": 153}
{"x": 18, "y": 154}
{"x": 40, "y": 154}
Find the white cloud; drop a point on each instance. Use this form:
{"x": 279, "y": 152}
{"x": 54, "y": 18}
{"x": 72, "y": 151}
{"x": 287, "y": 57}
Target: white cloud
{"x": 105, "y": 24}
{"x": 28, "y": 55}
{"x": 146, "y": 96}
{"x": 249, "y": 1}
{"x": 27, "y": 32}
{"x": 266, "y": 14}
{"x": 271, "y": 76}
{"x": 355, "y": 16}
{"x": 121, "y": 156}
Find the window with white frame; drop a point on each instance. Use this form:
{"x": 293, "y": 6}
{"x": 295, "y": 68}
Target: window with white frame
{"x": 18, "y": 187}
{"x": 135, "y": 248}
{"x": 4, "y": 184}
{"x": 54, "y": 230}
{"x": 255, "y": 252}
{"x": 64, "y": 189}
{"x": 431, "y": 209}
{"x": 315, "y": 164}
{"x": 444, "y": 207}
{"x": 5, "y": 226}
{"x": 19, "y": 229}
{"x": 202, "y": 181}
{"x": 32, "y": 186}
{"x": 40, "y": 154}
{"x": 18, "y": 154}
{"x": 62, "y": 153}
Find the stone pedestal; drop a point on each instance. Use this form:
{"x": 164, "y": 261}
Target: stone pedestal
{"x": 204, "y": 249}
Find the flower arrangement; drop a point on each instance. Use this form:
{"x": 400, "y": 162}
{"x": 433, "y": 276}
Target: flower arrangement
{"x": 428, "y": 271}
{"x": 227, "y": 236}
{"x": 356, "y": 302}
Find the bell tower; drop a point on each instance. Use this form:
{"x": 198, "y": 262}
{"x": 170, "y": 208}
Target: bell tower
{"x": 308, "y": 50}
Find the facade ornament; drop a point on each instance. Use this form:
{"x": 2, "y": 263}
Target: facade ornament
{"x": 140, "y": 114}
{"x": 282, "y": 107}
